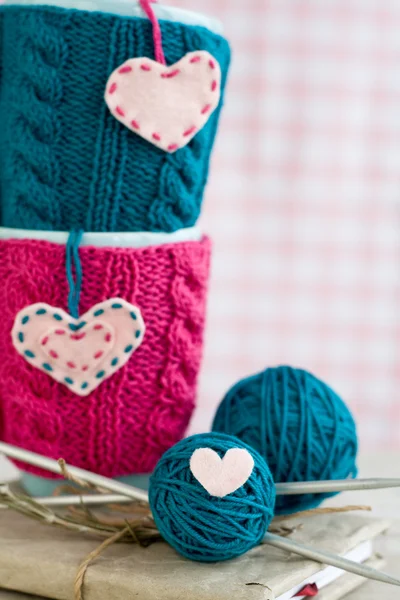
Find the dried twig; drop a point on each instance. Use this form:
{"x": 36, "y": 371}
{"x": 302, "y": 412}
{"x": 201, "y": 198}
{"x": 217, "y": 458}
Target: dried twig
{"x": 79, "y": 578}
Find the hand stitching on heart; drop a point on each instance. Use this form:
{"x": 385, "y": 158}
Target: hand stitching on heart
{"x": 221, "y": 476}
{"x": 167, "y": 106}
{"x": 80, "y": 351}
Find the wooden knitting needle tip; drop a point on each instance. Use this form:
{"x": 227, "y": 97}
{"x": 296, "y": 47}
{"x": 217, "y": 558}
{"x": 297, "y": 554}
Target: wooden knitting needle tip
{"x": 329, "y": 559}
{"x": 338, "y": 485}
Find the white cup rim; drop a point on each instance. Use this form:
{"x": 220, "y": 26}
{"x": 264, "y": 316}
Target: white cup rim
{"x": 129, "y": 8}
{"x": 141, "y": 239}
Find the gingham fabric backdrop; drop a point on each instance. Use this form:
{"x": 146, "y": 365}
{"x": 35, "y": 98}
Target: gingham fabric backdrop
{"x": 304, "y": 204}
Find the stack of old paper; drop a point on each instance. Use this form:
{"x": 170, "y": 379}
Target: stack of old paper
{"x": 43, "y": 560}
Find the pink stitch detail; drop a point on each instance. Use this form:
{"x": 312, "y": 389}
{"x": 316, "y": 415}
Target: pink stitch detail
{"x": 71, "y": 365}
{"x": 206, "y": 109}
{"x": 212, "y": 64}
{"x": 113, "y": 88}
{"x": 172, "y": 74}
{"x": 195, "y": 59}
{"x": 107, "y": 337}
{"x": 59, "y": 332}
{"x": 173, "y": 147}
{"x": 98, "y": 327}
{"x": 157, "y": 136}
{"x": 44, "y": 341}
{"x": 77, "y": 336}
{"x": 53, "y": 354}
{"x": 145, "y": 67}
{"x": 85, "y": 368}
{"x": 135, "y": 124}
{"x": 213, "y": 86}
{"x": 126, "y": 69}
{"x": 98, "y": 354}
{"x": 120, "y": 111}
{"x": 190, "y": 131}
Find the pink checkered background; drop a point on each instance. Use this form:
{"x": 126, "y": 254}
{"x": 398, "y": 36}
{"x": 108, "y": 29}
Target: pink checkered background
{"x": 304, "y": 203}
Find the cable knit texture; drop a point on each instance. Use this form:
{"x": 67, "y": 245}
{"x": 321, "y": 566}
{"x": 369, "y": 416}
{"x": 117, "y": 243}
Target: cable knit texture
{"x": 127, "y": 423}
{"x": 65, "y": 161}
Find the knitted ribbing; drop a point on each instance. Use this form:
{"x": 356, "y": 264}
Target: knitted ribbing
{"x": 66, "y": 162}
{"x": 127, "y": 423}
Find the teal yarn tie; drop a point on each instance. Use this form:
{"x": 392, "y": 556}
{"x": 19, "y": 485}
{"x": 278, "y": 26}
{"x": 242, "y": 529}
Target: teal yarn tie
{"x": 202, "y": 527}
{"x": 298, "y": 424}
{"x": 73, "y": 263}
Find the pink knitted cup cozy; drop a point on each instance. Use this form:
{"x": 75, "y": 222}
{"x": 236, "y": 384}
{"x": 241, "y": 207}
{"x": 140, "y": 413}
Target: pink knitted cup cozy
{"x": 132, "y": 418}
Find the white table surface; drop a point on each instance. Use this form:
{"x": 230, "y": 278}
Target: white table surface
{"x": 385, "y": 503}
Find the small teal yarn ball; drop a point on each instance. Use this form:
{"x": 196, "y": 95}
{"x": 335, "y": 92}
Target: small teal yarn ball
{"x": 298, "y": 424}
{"x": 207, "y": 528}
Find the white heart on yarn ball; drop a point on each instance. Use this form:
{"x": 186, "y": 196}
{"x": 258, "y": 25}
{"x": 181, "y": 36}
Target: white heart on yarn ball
{"x": 79, "y": 353}
{"x": 167, "y": 106}
{"x": 221, "y": 476}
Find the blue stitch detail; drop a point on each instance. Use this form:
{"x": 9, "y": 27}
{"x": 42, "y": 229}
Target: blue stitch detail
{"x": 69, "y": 381}
{"x": 128, "y": 348}
{"x": 99, "y": 312}
{"x": 114, "y": 362}
{"x": 25, "y": 320}
{"x": 29, "y": 354}
{"x": 21, "y": 337}
{"x": 41, "y": 311}
{"x": 138, "y": 334}
{"x": 77, "y": 327}
{"x": 47, "y": 367}
{"x": 100, "y": 374}
{"x": 116, "y": 305}
{"x": 133, "y": 315}
{"x": 57, "y": 317}
{"x": 84, "y": 385}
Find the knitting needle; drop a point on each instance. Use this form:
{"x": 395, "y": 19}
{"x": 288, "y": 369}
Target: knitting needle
{"x": 334, "y": 485}
{"x": 306, "y": 487}
{"x": 79, "y": 500}
{"x": 53, "y": 466}
{"x": 286, "y": 489}
{"x": 121, "y": 488}
{"x": 329, "y": 559}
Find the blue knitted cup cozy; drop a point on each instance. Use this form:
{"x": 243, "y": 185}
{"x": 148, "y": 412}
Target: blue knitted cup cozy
{"x": 65, "y": 161}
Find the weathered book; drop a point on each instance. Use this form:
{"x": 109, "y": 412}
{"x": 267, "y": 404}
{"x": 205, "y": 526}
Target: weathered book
{"x": 43, "y": 560}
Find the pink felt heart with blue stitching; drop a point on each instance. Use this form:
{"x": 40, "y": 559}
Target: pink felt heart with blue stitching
{"x": 79, "y": 353}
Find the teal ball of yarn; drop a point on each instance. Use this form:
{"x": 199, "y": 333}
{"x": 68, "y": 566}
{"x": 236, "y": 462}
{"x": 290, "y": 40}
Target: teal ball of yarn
{"x": 203, "y": 527}
{"x": 298, "y": 424}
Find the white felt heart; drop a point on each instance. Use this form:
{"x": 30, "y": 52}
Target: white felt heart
{"x": 167, "y": 106}
{"x": 221, "y": 476}
{"x": 80, "y": 353}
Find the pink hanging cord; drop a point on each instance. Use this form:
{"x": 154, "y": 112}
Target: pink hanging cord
{"x": 157, "y": 35}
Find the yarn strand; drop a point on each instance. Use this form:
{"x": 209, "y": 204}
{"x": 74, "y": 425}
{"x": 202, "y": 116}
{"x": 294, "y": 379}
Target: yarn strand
{"x": 73, "y": 263}
{"x": 157, "y": 35}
